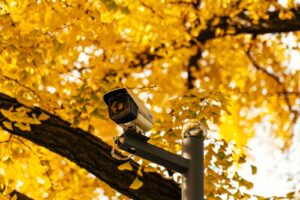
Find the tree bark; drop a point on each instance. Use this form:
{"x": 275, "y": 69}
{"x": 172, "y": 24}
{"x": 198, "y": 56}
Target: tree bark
{"x": 92, "y": 154}
{"x": 19, "y": 195}
{"x": 241, "y": 23}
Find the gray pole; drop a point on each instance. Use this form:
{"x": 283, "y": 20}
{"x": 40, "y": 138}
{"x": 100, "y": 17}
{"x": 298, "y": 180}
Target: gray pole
{"x": 193, "y": 179}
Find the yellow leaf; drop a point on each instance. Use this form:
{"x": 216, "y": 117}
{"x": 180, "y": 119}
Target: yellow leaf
{"x": 149, "y": 169}
{"x": 8, "y": 114}
{"x": 230, "y": 30}
{"x": 125, "y": 166}
{"x": 23, "y": 127}
{"x": 24, "y": 97}
{"x": 219, "y": 32}
{"x": 15, "y": 197}
{"x": 7, "y": 125}
{"x": 31, "y": 120}
{"x": 19, "y": 116}
{"x": 245, "y": 183}
{"x": 139, "y": 172}
{"x": 2, "y": 179}
{"x": 23, "y": 109}
{"x": 253, "y": 169}
{"x": 284, "y": 15}
{"x": 43, "y": 117}
{"x": 136, "y": 184}
{"x": 290, "y": 195}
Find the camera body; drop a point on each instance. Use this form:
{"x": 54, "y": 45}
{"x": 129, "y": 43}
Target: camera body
{"x": 128, "y": 111}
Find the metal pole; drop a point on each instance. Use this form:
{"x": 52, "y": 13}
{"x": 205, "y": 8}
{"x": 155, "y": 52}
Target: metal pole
{"x": 193, "y": 179}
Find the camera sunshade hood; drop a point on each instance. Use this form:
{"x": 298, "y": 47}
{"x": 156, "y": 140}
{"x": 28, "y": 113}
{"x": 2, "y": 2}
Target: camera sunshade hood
{"x": 113, "y": 93}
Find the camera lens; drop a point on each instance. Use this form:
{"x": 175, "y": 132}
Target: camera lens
{"x": 118, "y": 106}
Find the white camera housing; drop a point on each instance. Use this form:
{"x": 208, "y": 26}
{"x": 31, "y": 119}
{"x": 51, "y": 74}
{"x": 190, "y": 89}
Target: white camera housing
{"x": 128, "y": 111}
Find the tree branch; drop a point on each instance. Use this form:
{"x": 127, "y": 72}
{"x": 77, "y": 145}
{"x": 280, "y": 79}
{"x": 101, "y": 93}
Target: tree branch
{"x": 193, "y": 63}
{"x": 92, "y": 154}
{"x": 151, "y": 9}
{"x": 280, "y": 83}
{"x": 242, "y": 24}
{"x": 145, "y": 57}
{"x": 19, "y": 195}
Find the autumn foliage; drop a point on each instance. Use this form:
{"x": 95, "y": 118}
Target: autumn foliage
{"x": 222, "y": 63}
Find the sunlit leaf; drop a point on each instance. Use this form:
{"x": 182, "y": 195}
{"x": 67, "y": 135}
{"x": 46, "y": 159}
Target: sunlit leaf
{"x": 43, "y": 117}
{"x": 253, "y": 169}
{"x": 139, "y": 172}
{"x": 125, "y": 166}
{"x": 7, "y": 125}
{"x": 23, "y": 127}
{"x": 136, "y": 184}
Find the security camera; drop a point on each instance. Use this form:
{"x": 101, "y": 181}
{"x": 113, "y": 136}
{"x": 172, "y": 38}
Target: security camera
{"x": 128, "y": 111}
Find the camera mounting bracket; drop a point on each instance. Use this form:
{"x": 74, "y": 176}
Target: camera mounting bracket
{"x": 137, "y": 144}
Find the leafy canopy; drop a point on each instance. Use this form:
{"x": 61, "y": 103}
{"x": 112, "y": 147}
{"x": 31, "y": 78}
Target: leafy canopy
{"x": 188, "y": 60}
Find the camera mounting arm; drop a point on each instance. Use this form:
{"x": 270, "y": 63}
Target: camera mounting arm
{"x": 137, "y": 144}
